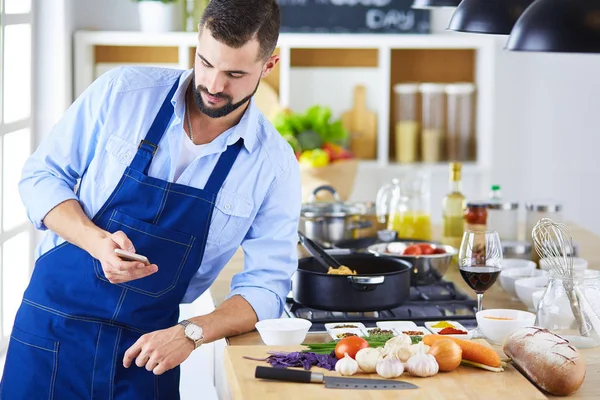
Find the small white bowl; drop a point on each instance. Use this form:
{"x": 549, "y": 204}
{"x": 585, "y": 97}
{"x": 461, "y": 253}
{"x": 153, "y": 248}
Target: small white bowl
{"x": 512, "y": 263}
{"x": 283, "y": 331}
{"x": 525, "y": 287}
{"x": 578, "y": 263}
{"x": 496, "y": 330}
{"x": 508, "y": 277}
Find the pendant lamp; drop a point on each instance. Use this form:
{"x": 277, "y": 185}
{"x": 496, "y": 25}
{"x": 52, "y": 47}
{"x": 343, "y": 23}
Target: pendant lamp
{"x": 427, "y": 4}
{"x": 562, "y": 26}
{"x": 487, "y": 16}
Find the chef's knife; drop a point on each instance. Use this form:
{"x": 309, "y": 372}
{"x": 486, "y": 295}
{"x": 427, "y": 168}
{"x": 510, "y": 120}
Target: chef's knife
{"x": 331, "y": 382}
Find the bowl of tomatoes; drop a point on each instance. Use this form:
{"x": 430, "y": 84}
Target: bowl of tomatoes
{"x": 430, "y": 261}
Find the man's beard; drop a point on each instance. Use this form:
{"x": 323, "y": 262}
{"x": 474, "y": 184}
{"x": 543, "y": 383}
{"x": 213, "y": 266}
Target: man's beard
{"x": 222, "y": 111}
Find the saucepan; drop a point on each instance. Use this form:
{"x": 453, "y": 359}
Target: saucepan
{"x": 332, "y": 221}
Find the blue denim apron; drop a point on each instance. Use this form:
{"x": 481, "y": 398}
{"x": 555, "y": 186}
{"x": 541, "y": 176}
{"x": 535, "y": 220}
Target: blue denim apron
{"x": 74, "y": 326}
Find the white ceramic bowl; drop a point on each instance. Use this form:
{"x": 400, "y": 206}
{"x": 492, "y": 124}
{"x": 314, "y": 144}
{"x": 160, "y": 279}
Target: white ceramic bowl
{"x": 508, "y": 277}
{"x": 525, "y": 287}
{"x": 496, "y": 330}
{"x": 283, "y": 331}
{"x": 512, "y": 263}
{"x": 578, "y": 263}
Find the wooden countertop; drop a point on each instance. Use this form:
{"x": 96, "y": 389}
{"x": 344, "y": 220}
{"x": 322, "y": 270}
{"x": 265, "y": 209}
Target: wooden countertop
{"x": 494, "y": 298}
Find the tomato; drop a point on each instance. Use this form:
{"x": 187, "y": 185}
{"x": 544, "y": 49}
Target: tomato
{"x": 413, "y": 250}
{"x": 439, "y": 251}
{"x": 350, "y": 345}
{"x": 426, "y": 248}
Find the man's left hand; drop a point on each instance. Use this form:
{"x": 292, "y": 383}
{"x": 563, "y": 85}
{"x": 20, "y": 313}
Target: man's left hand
{"x": 160, "y": 351}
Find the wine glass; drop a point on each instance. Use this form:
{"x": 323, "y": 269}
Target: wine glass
{"x": 479, "y": 261}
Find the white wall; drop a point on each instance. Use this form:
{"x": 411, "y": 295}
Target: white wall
{"x": 545, "y": 137}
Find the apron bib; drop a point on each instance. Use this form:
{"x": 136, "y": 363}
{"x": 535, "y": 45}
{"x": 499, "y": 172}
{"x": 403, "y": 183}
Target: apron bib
{"x": 74, "y": 326}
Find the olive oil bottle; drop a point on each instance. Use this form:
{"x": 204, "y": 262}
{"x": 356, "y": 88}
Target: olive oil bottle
{"x": 453, "y": 207}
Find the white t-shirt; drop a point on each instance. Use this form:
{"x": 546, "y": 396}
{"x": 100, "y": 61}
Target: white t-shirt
{"x": 187, "y": 153}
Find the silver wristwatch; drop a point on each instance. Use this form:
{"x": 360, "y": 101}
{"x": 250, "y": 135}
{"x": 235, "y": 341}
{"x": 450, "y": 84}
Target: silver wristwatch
{"x": 193, "y": 332}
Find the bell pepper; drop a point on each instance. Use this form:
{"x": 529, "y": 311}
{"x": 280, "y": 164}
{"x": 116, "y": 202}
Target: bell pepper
{"x": 314, "y": 158}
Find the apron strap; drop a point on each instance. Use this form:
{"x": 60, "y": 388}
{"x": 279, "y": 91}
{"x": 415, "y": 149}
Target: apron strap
{"x": 149, "y": 145}
{"x": 221, "y": 170}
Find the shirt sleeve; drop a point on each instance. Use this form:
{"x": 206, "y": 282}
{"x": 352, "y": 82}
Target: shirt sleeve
{"x": 270, "y": 253}
{"x": 50, "y": 174}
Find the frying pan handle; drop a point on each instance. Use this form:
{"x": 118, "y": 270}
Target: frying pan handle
{"x": 366, "y": 280}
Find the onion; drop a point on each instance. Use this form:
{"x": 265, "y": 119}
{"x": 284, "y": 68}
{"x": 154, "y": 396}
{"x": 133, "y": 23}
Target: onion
{"x": 447, "y": 353}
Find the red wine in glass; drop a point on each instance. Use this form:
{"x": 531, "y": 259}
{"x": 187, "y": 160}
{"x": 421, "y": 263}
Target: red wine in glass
{"x": 480, "y": 278}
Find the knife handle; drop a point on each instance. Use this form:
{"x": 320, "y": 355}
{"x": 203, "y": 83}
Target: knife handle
{"x": 284, "y": 374}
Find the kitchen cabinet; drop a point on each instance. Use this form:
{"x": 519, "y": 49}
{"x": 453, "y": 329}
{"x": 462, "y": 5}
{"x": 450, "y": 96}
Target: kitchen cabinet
{"x": 323, "y": 68}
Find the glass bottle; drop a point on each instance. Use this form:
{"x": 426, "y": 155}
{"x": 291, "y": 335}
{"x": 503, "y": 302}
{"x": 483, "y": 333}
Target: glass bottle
{"x": 570, "y": 307}
{"x": 453, "y": 207}
{"x": 410, "y": 208}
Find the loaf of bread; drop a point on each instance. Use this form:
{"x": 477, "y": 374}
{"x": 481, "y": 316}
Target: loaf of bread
{"x": 547, "y": 360}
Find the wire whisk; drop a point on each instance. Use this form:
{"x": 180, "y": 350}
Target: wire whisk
{"x": 554, "y": 244}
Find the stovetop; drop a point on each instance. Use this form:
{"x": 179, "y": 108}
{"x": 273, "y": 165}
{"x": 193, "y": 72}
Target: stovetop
{"x": 426, "y": 303}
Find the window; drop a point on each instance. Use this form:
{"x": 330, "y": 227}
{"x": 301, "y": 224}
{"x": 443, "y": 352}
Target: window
{"x": 16, "y": 144}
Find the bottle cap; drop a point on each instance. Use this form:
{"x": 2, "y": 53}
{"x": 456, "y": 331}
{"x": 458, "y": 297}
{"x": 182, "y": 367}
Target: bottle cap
{"x": 495, "y": 187}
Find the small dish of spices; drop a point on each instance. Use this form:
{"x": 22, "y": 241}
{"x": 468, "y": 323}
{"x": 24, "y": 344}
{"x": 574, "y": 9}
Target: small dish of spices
{"x": 448, "y": 328}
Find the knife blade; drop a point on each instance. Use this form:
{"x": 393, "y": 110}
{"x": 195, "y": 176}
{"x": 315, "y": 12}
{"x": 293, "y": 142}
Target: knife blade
{"x": 331, "y": 382}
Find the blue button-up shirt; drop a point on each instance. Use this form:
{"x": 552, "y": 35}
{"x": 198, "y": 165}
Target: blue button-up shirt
{"x": 257, "y": 207}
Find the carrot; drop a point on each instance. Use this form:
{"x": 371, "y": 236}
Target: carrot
{"x": 471, "y": 351}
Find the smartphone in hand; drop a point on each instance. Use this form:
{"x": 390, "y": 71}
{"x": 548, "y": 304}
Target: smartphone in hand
{"x": 127, "y": 256}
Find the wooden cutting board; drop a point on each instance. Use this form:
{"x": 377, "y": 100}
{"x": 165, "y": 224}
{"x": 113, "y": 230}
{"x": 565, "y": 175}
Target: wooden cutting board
{"x": 462, "y": 383}
{"x": 361, "y": 124}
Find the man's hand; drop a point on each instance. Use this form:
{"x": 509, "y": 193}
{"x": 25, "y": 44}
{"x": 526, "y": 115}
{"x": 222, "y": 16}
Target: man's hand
{"x": 160, "y": 351}
{"x": 115, "y": 269}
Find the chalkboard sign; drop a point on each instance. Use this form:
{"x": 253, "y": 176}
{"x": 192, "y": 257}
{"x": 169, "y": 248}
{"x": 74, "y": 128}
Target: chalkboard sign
{"x": 352, "y": 16}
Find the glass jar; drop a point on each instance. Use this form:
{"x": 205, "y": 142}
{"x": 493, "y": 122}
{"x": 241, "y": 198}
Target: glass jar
{"x": 503, "y": 217}
{"x": 410, "y": 215}
{"x": 407, "y": 123}
{"x": 383, "y": 202}
{"x": 476, "y": 216}
{"x": 570, "y": 307}
{"x": 433, "y": 113}
{"x": 460, "y": 142}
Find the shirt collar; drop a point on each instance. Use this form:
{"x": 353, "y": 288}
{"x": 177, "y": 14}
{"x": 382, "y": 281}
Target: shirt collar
{"x": 245, "y": 129}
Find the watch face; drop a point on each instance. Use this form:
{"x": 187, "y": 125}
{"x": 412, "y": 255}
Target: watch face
{"x": 194, "y": 332}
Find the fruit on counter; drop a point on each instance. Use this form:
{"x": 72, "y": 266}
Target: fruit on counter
{"x": 314, "y": 158}
{"x": 472, "y": 352}
{"x": 350, "y": 345}
{"x": 337, "y": 152}
{"x": 546, "y": 359}
{"x": 346, "y": 366}
{"x": 422, "y": 364}
{"x": 447, "y": 353}
{"x": 313, "y": 130}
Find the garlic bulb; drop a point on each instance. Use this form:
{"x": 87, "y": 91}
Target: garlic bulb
{"x": 346, "y": 366}
{"x": 422, "y": 364}
{"x": 400, "y": 352}
{"x": 398, "y": 340}
{"x": 414, "y": 348}
{"x": 367, "y": 359}
{"x": 390, "y": 368}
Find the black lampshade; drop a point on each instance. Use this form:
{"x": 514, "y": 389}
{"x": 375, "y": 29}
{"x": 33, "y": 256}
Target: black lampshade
{"x": 435, "y": 3}
{"x": 569, "y": 26}
{"x": 487, "y": 16}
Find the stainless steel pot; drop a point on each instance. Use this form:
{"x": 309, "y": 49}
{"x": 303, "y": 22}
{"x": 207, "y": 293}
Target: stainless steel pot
{"x": 330, "y": 222}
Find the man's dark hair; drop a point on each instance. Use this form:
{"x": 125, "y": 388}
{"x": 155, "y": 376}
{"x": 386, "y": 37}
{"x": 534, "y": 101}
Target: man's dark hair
{"x": 236, "y": 22}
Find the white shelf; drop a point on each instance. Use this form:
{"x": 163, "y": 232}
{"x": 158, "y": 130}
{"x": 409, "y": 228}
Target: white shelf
{"x": 484, "y": 46}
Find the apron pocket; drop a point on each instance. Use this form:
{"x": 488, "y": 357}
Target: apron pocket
{"x": 164, "y": 247}
{"x": 31, "y": 367}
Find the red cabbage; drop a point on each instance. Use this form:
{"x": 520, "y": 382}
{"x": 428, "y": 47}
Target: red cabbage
{"x": 300, "y": 359}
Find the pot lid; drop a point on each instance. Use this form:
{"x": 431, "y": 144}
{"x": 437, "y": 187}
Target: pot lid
{"x": 329, "y": 209}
